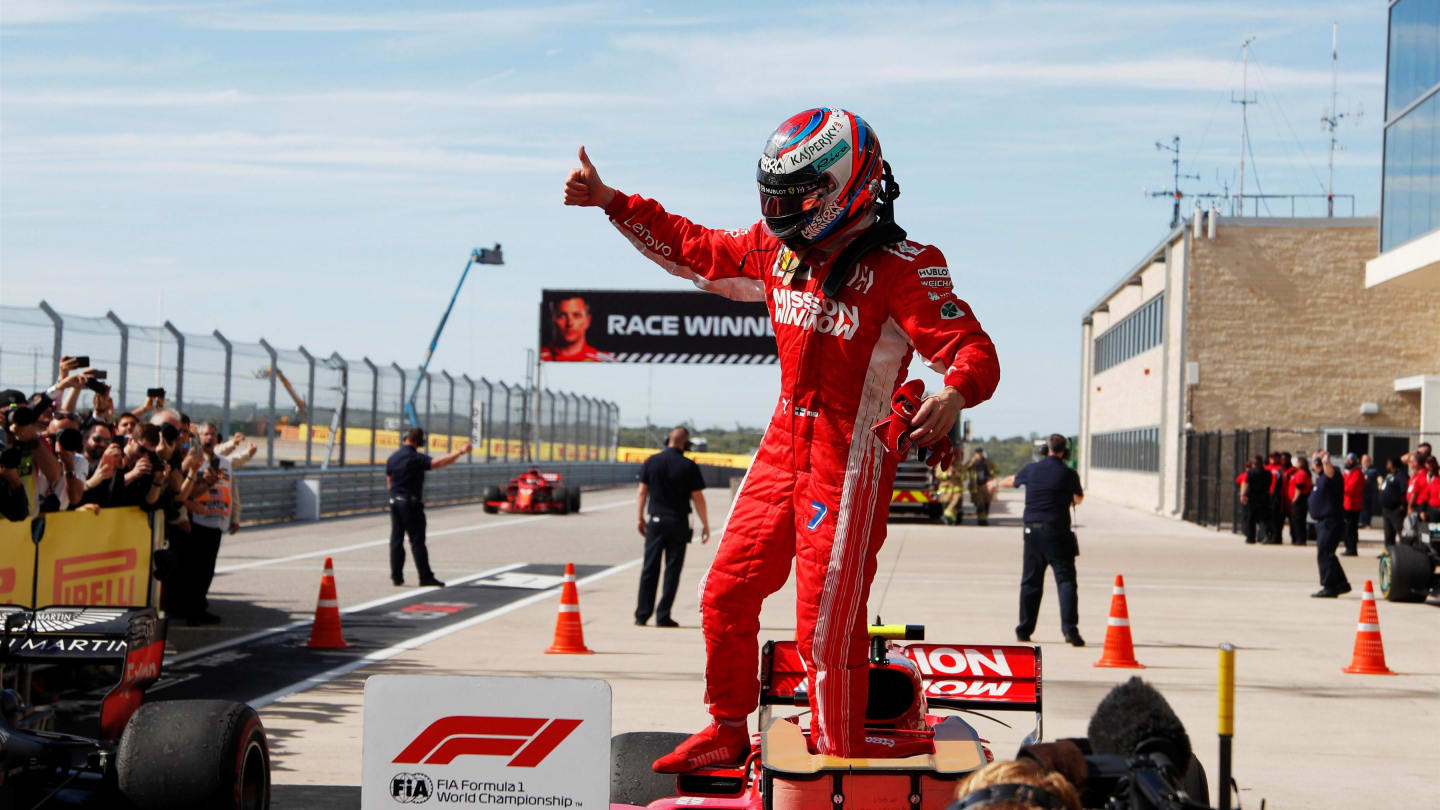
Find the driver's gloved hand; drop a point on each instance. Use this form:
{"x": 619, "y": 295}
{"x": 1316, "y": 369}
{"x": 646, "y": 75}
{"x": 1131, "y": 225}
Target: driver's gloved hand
{"x": 894, "y": 430}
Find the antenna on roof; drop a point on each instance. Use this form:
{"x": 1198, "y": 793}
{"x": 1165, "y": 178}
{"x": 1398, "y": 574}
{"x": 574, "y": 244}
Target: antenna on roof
{"x": 1332, "y": 117}
{"x": 1244, "y": 101}
{"x": 1174, "y": 191}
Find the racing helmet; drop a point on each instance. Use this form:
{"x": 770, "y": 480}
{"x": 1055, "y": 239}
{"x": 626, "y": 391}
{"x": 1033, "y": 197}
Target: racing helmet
{"x": 820, "y": 174}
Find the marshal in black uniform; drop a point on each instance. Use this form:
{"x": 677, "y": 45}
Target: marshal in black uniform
{"x": 1051, "y": 488}
{"x": 670, "y": 483}
{"x": 405, "y": 477}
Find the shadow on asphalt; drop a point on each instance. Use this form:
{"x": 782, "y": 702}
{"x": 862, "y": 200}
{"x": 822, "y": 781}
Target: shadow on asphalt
{"x": 314, "y": 797}
{"x": 237, "y": 618}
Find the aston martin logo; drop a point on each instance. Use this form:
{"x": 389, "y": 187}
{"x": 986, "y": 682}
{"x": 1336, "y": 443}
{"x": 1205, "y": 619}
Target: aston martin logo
{"x": 58, "y": 620}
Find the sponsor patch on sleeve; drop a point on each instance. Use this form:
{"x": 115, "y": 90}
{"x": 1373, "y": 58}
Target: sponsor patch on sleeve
{"x": 950, "y": 311}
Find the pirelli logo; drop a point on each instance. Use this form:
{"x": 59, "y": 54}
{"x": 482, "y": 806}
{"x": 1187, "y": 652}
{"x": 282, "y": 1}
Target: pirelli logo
{"x": 102, "y": 578}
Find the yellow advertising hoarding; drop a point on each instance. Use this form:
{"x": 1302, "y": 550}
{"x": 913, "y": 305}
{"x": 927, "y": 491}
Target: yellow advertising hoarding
{"x": 82, "y": 559}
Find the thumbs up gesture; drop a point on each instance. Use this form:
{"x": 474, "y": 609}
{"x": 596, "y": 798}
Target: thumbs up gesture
{"x": 584, "y": 187}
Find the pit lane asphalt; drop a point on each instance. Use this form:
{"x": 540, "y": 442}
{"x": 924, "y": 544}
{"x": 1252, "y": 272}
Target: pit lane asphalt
{"x": 1307, "y": 735}
{"x": 269, "y": 576}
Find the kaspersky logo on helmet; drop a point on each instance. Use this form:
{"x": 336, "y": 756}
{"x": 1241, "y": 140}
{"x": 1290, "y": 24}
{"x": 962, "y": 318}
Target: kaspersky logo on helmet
{"x": 815, "y": 313}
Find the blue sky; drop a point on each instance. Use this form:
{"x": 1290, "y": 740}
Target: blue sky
{"x": 316, "y": 173}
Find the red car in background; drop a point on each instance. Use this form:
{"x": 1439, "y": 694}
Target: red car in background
{"x": 533, "y": 492}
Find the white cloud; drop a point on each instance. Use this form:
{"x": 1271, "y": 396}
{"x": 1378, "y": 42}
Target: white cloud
{"x": 920, "y": 59}
{"x": 243, "y": 153}
{"x": 39, "y": 12}
{"x": 479, "y": 99}
{"x": 489, "y": 22}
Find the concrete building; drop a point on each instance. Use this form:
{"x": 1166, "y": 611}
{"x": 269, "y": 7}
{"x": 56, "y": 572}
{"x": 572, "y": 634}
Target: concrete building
{"x": 1410, "y": 182}
{"x": 1240, "y": 323}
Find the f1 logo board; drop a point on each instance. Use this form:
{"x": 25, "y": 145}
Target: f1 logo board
{"x": 464, "y": 741}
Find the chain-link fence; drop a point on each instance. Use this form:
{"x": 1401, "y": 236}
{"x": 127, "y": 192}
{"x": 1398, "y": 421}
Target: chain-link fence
{"x": 304, "y": 408}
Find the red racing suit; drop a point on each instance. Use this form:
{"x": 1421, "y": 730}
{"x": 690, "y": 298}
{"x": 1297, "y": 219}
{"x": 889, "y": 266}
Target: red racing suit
{"x": 818, "y": 490}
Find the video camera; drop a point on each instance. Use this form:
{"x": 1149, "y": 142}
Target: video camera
{"x": 1136, "y": 756}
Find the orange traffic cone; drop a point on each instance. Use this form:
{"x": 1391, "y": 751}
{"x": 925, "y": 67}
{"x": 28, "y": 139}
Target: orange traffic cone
{"x": 1369, "y": 655}
{"x": 325, "y": 632}
{"x": 569, "y": 637}
{"x": 1119, "y": 650}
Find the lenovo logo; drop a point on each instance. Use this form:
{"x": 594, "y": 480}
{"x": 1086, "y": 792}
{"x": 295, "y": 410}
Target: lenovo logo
{"x": 528, "y": 739}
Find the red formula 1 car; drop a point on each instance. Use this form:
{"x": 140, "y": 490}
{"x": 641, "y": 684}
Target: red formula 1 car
{"x": 907, "y": 682}
{"x": 533, "y": 492}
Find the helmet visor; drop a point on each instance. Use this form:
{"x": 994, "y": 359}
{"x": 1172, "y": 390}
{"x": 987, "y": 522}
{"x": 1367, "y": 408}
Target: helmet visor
{"x": 788, "y": 206}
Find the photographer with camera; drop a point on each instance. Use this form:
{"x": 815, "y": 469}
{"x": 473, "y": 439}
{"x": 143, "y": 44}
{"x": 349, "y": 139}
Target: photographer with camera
{"x": 66, "y": 442}
{"x": 27, "y": 456}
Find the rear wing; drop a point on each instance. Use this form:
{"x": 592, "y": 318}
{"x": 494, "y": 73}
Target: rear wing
{"x": 982, "y": 677}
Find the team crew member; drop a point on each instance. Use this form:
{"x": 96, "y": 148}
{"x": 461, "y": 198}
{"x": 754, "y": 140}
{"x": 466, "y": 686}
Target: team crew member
{"x": 1432, "y": 490}
{"x": 405, "y": 478}
{"x": 1392, "y": 499}
{"x": 1415, "y": 488}
{"x": 1297, "y": 488}
{"x": 1327, "y": 506}
{"x": 669, "y": 483}
{"x": 1275, "y": 512}
{"x": 1051, "y": 488}
{"x": 1354, "y": 502}
{"x": 849, "y": 296}
{"x": 1279, "y": 500}
{"x": 1255, "y": 498}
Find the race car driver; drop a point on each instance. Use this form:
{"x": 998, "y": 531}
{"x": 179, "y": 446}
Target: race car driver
{"x": 850, "y": 298}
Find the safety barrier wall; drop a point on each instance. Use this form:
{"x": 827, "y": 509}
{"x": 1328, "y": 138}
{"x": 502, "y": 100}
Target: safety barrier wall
{"x": 273, "y": 394}
{"x": 268, "y": 496}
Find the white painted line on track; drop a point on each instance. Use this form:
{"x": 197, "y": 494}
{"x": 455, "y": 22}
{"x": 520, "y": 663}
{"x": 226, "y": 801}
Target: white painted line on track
{"x": 298, "y": 623}
{"x": 419, "y": 641}
{"x": 474, "y": 527}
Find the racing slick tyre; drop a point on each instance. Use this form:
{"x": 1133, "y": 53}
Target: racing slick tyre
{"x": 195, "y": 753}
{"x": 575, "y": 499}
{"x": 562, "y": 500}
{"x": 1405, "y": 573}
{"x": 492, "y": 494}
{"x": 631, "y": 754}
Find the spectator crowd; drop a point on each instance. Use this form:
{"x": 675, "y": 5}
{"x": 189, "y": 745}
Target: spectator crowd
{"x": 55, "y": 457}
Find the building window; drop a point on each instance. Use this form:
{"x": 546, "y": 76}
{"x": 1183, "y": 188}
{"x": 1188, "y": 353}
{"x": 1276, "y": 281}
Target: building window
{"x": 1410, "y": 179}
{"x": 1136, "y": 449}
{"x": 1139, "y": 331}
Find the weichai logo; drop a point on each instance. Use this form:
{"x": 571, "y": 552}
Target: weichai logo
{"x": 527, "y": 740}
{"x": 103, "y": 578}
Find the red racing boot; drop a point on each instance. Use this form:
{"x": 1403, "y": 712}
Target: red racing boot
{"x": 720, "y": 743}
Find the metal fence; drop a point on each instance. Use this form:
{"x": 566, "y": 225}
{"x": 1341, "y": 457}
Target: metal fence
{"x": 288, "y": 400}
{"x": 1215, "y": 459}
{"x": 268, "y": 496}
